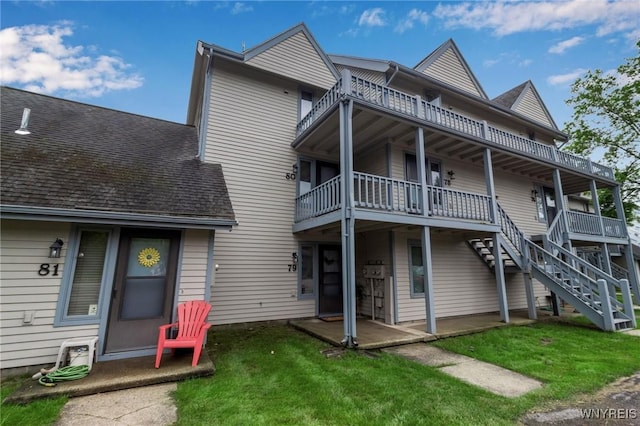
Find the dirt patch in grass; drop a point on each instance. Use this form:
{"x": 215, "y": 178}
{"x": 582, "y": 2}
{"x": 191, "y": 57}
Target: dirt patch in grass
{"x": 616, "y": 404}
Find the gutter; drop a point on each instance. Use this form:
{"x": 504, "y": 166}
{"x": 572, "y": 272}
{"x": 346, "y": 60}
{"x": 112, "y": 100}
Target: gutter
{"x": 394, "y": 73}
{"x": 106, "y": 217}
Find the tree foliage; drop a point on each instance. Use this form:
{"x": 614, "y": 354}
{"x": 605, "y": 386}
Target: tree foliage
{"x": 606, "y": 120}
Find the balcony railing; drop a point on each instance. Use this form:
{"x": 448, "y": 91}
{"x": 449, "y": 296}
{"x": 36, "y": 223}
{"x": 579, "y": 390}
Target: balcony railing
{"x": 322, "y": 199}
{"x": 382, "y": 193}
{"x": 393, "y": 196}
{"x": 458, "y": 204}
{"x": 590, "y": 224}
{"x": 403, "y": 103}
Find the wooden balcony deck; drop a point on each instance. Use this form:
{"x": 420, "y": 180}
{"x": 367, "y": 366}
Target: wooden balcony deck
{"x": 413, "y": 107}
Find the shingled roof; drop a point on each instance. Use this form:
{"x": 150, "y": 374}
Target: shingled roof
{"x": 83, "y": 158}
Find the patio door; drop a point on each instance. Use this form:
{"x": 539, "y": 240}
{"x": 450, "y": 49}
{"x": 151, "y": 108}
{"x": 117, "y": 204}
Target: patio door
{"x": 330, "y": 281}
{"x": 143, "y": 288}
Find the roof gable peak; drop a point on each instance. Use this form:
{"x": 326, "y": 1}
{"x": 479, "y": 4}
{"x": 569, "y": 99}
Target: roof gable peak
{"x": 466, "y": 80}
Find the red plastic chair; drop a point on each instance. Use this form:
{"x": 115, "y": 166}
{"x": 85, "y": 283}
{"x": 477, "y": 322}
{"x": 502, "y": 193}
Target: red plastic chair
{"x": 192, "y": 329}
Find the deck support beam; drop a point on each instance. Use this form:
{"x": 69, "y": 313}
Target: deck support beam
{"x": 430, "y": 312}
{"x": 497, "y": 239}
{"x": 628, "y": 250}
{"x": 347, "y": 224}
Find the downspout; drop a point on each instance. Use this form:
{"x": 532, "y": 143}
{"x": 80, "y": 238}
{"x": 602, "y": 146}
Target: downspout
{"x": 204, "y": 112}
{"x": 393, "y": 75}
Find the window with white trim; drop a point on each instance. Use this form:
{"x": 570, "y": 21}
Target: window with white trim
{"x": 306, "y": 103}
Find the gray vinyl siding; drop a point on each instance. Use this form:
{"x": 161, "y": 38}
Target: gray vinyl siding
{"x": 529, "y": 105}
{"x": 372, "y": 76}
{"x": 24, "y": 247}
{"x": 295, "y": 58}
{"x": 251, "y": 126}
{"x": 448, "y": 69}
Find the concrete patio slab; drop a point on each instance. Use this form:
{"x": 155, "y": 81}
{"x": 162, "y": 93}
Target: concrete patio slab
{"x": 150, "y": 405}
{"x": 117, "y": 375}
{"x": 487, "y": 376}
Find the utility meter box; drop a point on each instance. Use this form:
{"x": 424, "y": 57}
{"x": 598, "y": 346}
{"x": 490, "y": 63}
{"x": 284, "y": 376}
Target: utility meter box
{"x": 374, "y": 271}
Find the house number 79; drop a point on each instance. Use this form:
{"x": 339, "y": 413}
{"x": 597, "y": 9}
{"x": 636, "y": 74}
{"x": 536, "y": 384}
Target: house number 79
{"x": 45, "y": 269}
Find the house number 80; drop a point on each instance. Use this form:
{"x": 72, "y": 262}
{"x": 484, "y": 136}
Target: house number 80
{"x": 45, "y": 269}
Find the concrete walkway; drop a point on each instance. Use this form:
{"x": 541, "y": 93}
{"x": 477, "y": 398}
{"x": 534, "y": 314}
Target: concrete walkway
{"x": 488, "y": 376}
{"x": 149, "y": 405}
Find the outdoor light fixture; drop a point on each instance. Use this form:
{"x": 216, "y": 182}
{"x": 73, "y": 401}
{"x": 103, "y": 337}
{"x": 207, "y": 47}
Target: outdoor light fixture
{"x": 534, "y": 195}
{"x": 451, "y": 174}
{"x": 55, "y": 248}
{"x": 25, "y": 123}
{"x": 294, "y": 168}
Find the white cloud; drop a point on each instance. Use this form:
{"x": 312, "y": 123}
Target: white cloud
{"x": 36, "y": 58}
{"x": 372, "y": 18}
{"x": 414, "y": 15}
{"x": 525, "y": 63}
{"x": 560, "y": 47}
{"x": 505, "y": 17}
{"x": 488, "y": 63}
{"x": 240, "y": 7}
{"x": 562, "y": 79}
{"x": 351, "y": 32}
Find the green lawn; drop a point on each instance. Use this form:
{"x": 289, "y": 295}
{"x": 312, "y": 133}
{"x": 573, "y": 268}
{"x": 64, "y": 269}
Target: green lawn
{"x": 42, "y": 412}
{"x": 273, "y": 374}
{"x": 276, "y": 375}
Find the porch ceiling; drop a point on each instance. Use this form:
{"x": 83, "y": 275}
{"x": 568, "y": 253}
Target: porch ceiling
{"x": 375, "y": 128}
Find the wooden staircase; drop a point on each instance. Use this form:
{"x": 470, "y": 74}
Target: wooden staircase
{"x": 591, "y": 291}
{"x": 483, "y": 247}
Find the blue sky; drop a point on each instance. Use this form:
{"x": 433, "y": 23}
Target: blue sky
{"x": 138, "y": 56}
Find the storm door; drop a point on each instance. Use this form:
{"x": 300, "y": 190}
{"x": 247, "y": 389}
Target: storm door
{"x": 143, "y": 289}
{"x": 330, "y": 282}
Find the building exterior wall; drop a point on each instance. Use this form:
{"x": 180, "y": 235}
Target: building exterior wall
{"x": 295, "y": 58}
{"x": 25, "y": 246}
{"x": 251, "y": 138}
{"x": 448, "y": 69}
{"x": 25, "y": 293}
{"x": 530, "y": 107}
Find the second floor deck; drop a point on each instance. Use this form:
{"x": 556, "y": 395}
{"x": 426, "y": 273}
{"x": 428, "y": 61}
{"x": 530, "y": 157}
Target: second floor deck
{"x": 404, "y": 111}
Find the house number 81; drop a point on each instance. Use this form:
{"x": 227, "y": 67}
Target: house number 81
{"x": 45, "y": 269}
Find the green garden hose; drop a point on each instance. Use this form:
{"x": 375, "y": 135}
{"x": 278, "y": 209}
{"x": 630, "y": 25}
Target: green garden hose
{"x": 71, "y": 372}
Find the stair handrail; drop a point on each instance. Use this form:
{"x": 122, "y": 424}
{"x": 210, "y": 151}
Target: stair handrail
{"x": 597, "y": 273}
{"x": 557, "y": 229}
{"x": 510, "y": 230}
{"x": 591, "y": 283}
{"x": 620, "y": 271}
